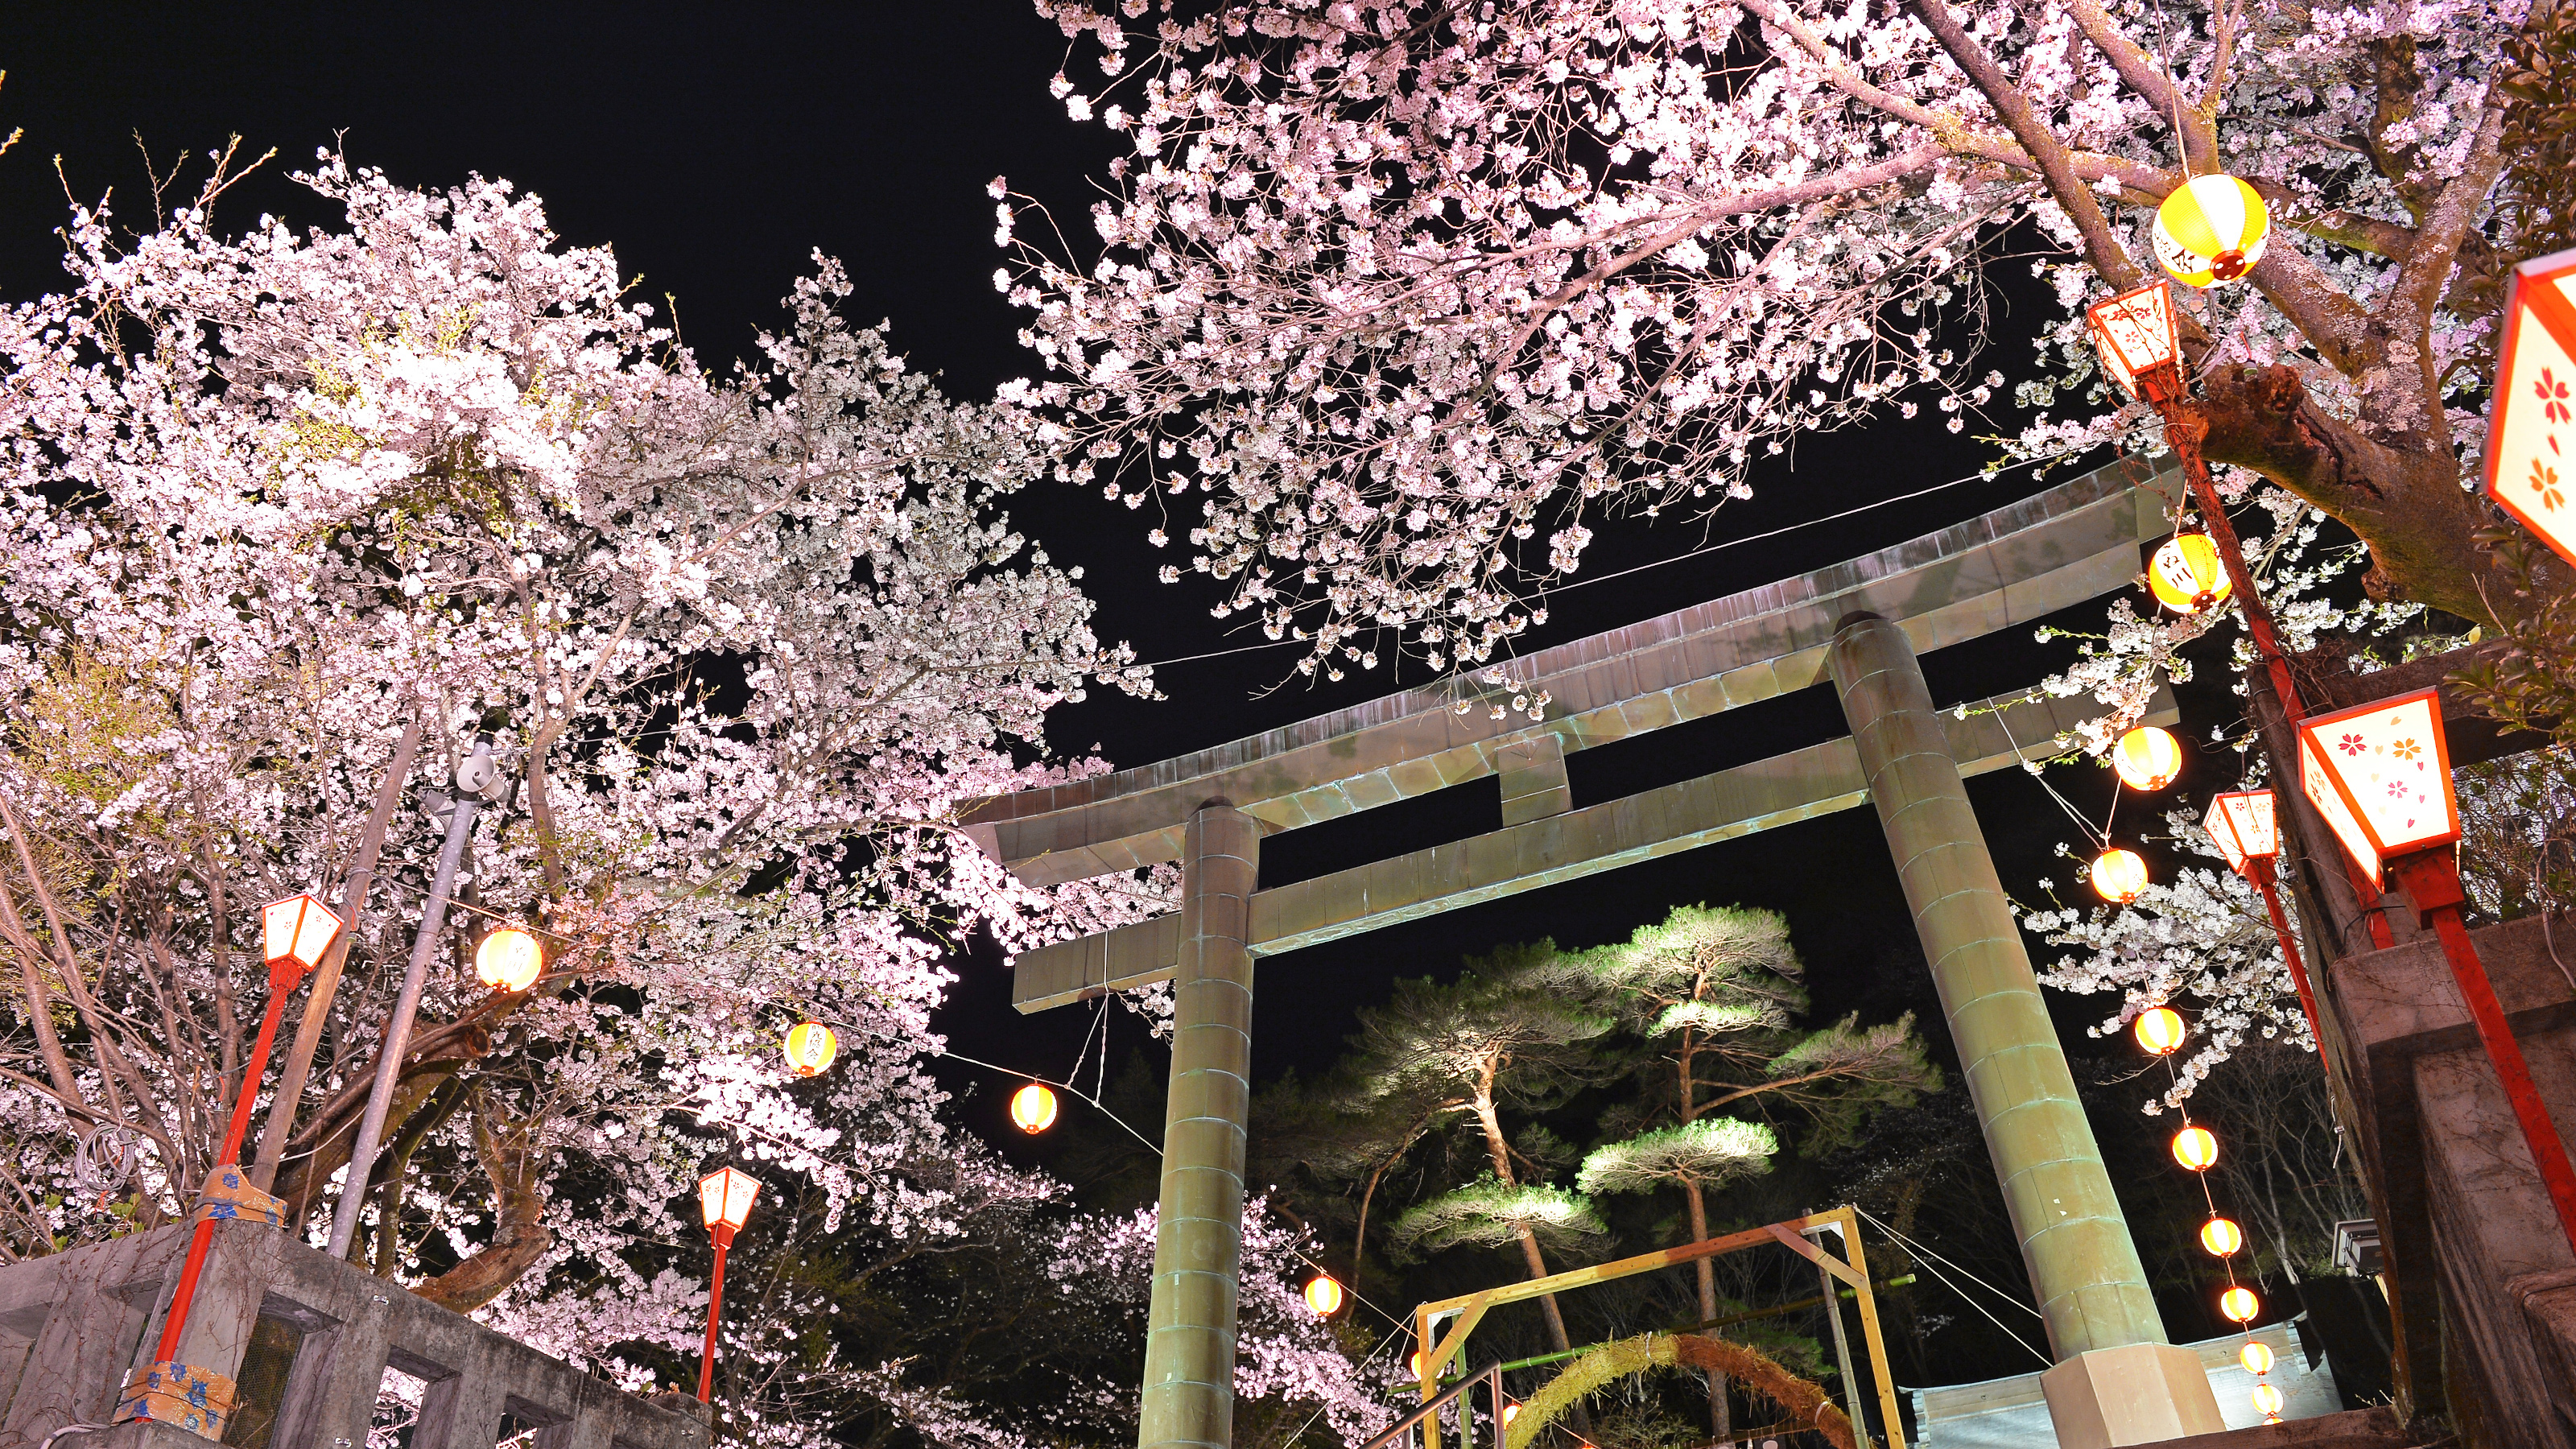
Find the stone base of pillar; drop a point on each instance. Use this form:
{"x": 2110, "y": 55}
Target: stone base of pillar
{"x": 2139, "y": 1393}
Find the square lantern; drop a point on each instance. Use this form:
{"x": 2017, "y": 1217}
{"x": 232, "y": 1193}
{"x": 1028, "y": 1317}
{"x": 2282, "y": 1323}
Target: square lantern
{"x": 724, "y": 1200}
{"x": 2134, "y": 332}
{"x": 2531, "y": 422}
{"x": 298, "y": 930}
{"x": 2381, "y": 775}
{"x": 2241, "y": 822}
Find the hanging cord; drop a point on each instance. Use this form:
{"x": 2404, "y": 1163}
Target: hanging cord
{"x": 2227, "y": 1262}
{"x": 2039, "y": 773}
{"x": 1926, "y": 1257}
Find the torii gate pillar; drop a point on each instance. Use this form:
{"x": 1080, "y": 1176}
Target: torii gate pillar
{"x": 2117, "y": 1380}
{"x": 1189, "y": 1344}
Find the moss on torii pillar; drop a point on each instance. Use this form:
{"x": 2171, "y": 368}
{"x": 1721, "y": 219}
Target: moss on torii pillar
{"x": 1198, "y": 1238}
{"x": 2117, "y": 1380}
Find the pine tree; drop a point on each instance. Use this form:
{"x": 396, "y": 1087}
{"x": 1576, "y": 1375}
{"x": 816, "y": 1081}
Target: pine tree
{"x": 1509, "y": 1032}
{"x": 1719, "y": 991}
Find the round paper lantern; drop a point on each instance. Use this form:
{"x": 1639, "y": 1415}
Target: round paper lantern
{"x": 1510, "y": 1412}
{"x": 2211, "y": 229}
{"x": 2147, "y": 758}
{"x": 2256, "y": 1356}
{"x": 1324, "y": 1295}
{"x": 2194, "y": 1148}
{"x": 2119, "y": 876}
{"x": 810, "y": 1048}
{"x": 1033, "y": 1108}
{"x": 2186, "y": 575}
{"x": 1413, "y": 1365}
{"x": 2221, "y": 1237}
{"x": 2267, "y": 1398}
{"x": 2159, "y": 1030}
{"x": 509, "y": 960}
{"x": 2239, "y": 1304}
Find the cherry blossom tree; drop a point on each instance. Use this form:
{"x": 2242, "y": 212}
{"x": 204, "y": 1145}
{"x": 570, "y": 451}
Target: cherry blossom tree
{"x": 288, "y": 520}
{"x": 1394, "y": 299}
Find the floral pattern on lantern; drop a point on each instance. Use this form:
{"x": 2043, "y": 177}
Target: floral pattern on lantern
{"x": 2531, "y": 429}
{"x": 2380, "y": 775}
{"x": 2242, "y": 823}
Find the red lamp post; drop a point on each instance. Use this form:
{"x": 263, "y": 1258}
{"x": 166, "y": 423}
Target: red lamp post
{"x": 297, "y": 931}
{"x": 2380, "y": 774}
{"x": 2140, "y": 348}
{"x": 2242, "y": 823}
{"x": 724, "y": 1200}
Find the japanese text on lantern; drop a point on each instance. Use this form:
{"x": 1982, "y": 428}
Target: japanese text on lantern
{"x": 2531, "y": 433}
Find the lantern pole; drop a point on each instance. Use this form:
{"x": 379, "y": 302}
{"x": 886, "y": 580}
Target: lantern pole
{"x": 2258, "y": 869}
{"x": 722, "y": 1232}
{"x": 285, "y": 972}
{"x": 472, "y": 778}
{"x": 2431, "y": 878}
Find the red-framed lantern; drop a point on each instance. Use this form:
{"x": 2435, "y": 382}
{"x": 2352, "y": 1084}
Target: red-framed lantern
{"x": 2531, "y": 421}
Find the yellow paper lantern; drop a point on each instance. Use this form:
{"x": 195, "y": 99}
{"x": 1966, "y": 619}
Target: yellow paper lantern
{"x": 2160, "y": 1030}
{"x": 2256, "y": 1355}
{"x": 1323, "y": 1295}
{"x": 2194, "y": 1148}
{"x": 2211, "y": 229}
{"x": 810, "y": 1048}
{"x": 2221, "y": 1237}
{"x": 2186, "y": 575}
{"x": 1033, "y": 1108}
{"x": 1510, "y": 1412}
{"x": 2240, "y": 1305}
{"x": 2267, "y": 1399}
{"x": 2119, "y": 876}
{"x": 509, "y": 960}
{"x": 2147, "y": 758}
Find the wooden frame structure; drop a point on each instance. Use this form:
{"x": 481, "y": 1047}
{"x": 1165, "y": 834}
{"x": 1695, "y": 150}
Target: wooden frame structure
{"x": 1470, "y": 1308}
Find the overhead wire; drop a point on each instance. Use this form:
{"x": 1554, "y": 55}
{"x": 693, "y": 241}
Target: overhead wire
{"x": 1980, "y": 476}
{"x": 1928, "y": 1257}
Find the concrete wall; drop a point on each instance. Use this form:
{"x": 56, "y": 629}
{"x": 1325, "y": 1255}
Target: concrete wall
{"x": 72, "y": 1324}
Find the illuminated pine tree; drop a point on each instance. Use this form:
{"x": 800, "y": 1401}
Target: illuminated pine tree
{"x": 1718, "y": 992}
{"x": 1515, "y": 1030}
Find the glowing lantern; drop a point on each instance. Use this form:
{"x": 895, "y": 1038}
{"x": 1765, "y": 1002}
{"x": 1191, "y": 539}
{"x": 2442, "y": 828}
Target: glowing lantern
{"x": 2267, "y": 1399}
{"x": 296, "y": 931}
{"x": 1033, "y": 1108}
{"x": 2380, "y": 774}
{"x": 2194, "y": 1148}
{"x": 810, "y": 1048}
{"x": 2240, "y": 1305}
{"x": 2256, "y": 1356}
{"x": 1511, "y": 1412}
{"x": 1414, "y": 1364}
{"x": 2134, "y": 332}
{"x": 2210, "y": 229}
{"x": 2529, "y": 440}
{"x": 2242, "y": 824}
{"x": 2159, "y": 1029}
{"x": 1324, "y": 1296}
{"x": 2186, "y": 575}
{"x": 509, "y": 960}
{"x": 2221, "y": 1237}
{"x": 2119, "y": 876}
{"x": 724, "y": 1201}
{"x": 2147, "y": 758}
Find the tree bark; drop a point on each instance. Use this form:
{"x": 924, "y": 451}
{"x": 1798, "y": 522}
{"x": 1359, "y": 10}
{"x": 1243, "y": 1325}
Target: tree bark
{"x": 514, "y": 1163}
{"x": 1721, "y": 1419}
{"x": 2408, "y": 506}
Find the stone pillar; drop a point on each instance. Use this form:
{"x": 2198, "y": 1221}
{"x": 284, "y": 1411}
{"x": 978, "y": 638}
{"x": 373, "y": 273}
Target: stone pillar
{"x": 2113, "y": 1370}
{"x": 1189, "y": 1343}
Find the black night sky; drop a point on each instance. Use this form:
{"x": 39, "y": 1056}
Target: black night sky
{"x": 717, "y": 147}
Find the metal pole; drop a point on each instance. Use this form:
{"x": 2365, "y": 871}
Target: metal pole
{"x": 326, "y": 976}
{"x": 2092, "y": 1290}
{"x": 715, "y": 1305}
{"x": 472, "y": 778}
{"x": 1842, "y": 1344}
{"x": 1188, "y": 1400}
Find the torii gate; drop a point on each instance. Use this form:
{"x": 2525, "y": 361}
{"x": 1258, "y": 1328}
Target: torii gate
{"x": 1862, "y": 623}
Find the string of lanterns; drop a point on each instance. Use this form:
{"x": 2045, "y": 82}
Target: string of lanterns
{"x": 2160, "y": 1031}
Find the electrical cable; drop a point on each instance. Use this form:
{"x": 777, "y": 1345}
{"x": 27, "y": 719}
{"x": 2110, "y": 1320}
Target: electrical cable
{"x": 1925, "y": 1252}
{"x": 1980, "y": 476}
